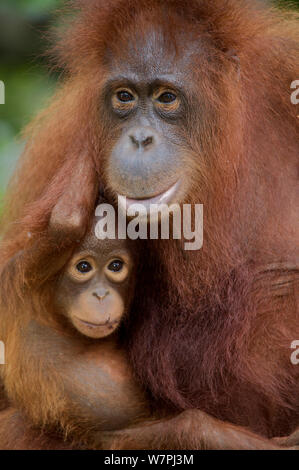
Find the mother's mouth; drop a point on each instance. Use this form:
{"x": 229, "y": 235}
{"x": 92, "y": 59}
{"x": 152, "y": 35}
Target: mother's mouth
{"x": 166, "y": 197}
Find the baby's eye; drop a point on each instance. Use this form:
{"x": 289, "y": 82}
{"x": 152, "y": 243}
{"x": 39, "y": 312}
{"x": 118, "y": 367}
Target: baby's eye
{"x": 116, "y": 266}
{"x": 84, "y": 267}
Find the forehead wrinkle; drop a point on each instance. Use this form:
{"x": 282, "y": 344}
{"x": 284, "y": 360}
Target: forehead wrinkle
{"x": 149, "y": 57}
{"x": 126, "y": 78}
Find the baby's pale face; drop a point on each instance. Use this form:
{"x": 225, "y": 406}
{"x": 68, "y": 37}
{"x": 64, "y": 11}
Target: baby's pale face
{"x": 96, "y": 287}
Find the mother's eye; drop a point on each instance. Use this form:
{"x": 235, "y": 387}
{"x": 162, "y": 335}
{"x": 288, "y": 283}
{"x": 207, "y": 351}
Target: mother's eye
{"x": 125, "y": 96}
{"x": 167, "y": 97}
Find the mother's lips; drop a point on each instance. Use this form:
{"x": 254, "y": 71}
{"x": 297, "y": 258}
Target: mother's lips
{"x": 164, "y": 198}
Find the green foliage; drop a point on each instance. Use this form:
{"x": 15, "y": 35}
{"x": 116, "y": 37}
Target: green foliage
{"x": 26, "y": 92}
{"x": 32, "y": 6}
{"x": 27, "y": 85}
{"x": 288, "y": 3}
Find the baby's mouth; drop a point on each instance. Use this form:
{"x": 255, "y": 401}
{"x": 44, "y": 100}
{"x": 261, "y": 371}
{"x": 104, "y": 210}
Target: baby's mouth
{"x": 108, "y": 323}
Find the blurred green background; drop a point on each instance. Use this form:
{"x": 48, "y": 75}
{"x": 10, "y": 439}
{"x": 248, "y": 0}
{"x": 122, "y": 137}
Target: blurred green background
{"x": 23, "y": 69}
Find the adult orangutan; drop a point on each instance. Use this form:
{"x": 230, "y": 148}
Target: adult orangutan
{"x": 186, "y": 103}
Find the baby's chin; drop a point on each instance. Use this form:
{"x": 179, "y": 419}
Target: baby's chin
{"x": 95, "y": 330}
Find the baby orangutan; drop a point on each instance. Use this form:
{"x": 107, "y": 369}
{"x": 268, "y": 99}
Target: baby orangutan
{"x": 96, "y": 288}
{"x": 80, "y": 381}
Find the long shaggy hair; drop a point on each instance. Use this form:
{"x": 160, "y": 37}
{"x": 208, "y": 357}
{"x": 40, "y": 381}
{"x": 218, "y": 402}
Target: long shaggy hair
{"x": 210, "y": 329}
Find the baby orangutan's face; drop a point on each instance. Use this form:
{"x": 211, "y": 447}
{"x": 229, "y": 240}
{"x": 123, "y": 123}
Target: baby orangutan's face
{"x": 96, "y": 287}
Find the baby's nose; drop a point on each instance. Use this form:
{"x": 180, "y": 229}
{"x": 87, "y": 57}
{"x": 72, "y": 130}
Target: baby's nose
{"x": 100, "y": 293}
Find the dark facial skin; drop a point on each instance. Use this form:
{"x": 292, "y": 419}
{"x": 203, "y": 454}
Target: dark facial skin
{"x": 147, "y": 98}
{"x": 95, "y": 289}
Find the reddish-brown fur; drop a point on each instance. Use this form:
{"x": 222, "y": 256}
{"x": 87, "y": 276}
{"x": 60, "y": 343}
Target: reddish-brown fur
{"x": 17, "y": 433}
{"x": 211, "y": 330}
